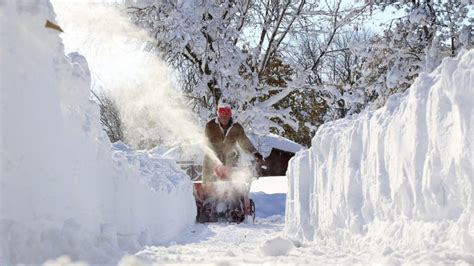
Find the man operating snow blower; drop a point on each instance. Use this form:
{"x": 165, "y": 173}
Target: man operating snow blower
{"x": 213, "y": 199}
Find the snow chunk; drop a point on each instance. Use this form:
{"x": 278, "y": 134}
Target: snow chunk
{"x": 277, "y": 247}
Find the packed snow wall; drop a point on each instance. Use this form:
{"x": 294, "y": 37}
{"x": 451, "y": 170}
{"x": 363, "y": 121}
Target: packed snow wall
{"x": 398, "y": 178}
{"x": 64, "y": 190}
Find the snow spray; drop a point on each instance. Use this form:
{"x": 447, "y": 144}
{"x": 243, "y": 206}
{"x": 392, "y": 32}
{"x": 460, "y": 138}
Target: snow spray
{"x": 125, "y": 65}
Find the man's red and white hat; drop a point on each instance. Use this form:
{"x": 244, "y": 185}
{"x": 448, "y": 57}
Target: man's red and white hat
{"x": 224, "y": 108}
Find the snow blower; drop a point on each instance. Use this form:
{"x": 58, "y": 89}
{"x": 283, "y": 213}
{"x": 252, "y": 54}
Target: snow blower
{"x": 227, "y": 199}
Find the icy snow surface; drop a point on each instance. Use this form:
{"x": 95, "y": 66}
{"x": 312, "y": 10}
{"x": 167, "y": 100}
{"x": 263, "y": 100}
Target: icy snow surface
{"x": 397, "y": 182}
{"x": 61, "y": 191}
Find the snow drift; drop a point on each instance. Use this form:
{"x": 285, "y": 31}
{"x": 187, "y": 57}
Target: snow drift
{"x": 61, "y": 191}
{"x": 398, "y": 179}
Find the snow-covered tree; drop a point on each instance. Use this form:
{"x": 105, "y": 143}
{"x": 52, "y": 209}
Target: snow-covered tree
{"x": 319, "y": 52}
{"x": 211, "y": 44}
{"x": 244, "y": 51}
{"x": 291, "y": 65}
{"x": 429, "y": 31}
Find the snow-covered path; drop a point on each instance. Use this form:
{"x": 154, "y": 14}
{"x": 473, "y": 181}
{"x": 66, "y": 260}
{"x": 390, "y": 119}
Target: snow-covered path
{"x": 216, "y": 243}
{"x": 237, "y": 243}
{"x": 259, "y": 243}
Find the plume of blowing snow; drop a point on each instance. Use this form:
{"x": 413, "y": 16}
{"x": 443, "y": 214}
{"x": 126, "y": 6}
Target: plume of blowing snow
{"x": 123, "y": 66}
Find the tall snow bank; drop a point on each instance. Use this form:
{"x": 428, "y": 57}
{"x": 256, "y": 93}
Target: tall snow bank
{"x": 398, "y": 178}
{"x": 61, "y": 191}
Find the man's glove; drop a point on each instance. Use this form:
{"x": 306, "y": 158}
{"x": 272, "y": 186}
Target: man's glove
{"x": 222, "y": 172}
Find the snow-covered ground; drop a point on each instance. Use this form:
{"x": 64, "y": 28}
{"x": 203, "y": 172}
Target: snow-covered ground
{"x": 264, "y": 242}
{"x": 235, "y": 243}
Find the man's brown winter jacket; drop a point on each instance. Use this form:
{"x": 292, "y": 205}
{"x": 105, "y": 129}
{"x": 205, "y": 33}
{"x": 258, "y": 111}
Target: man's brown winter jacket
{"x": 223, "y": 144}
